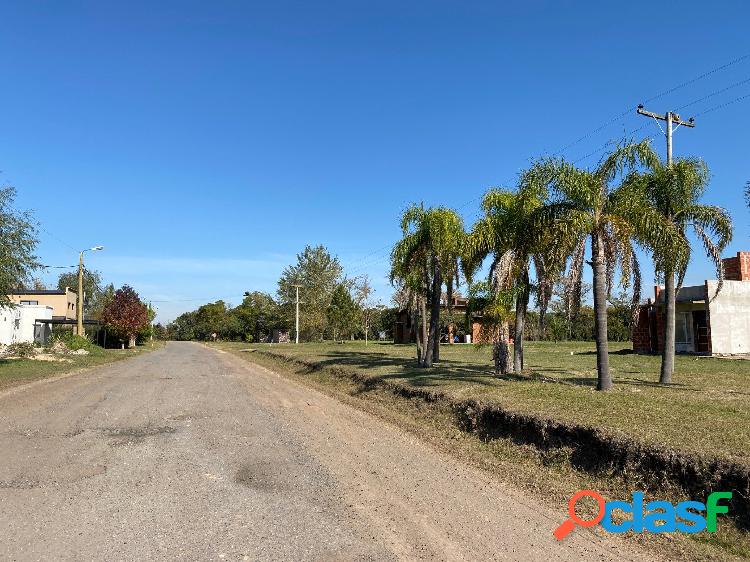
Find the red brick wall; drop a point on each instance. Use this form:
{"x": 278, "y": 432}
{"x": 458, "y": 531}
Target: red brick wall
{"x": 738, "y": 267}
{"x": 642, "y": 330}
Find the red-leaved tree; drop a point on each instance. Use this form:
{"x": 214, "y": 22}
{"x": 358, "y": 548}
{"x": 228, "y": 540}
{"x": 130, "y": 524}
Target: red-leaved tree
{"x": 125, "y": 315}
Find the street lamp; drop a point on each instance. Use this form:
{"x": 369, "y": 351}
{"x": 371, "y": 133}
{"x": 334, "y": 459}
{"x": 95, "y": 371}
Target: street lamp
{"x": 79, "y": 300}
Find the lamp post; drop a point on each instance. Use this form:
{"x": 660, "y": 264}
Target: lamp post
{"x": 79, "y": 300}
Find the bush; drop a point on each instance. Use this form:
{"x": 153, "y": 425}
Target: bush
{"x": 72, "y": 341}
{"x": 21, "y": 349}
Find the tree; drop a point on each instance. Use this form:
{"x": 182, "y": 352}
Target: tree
{"x": 125, "y": 315}
{"x": 342, "y": 312}
{"x": 183, "y": 328}
{"x": 367, "y": 309}
{"x": 18, "y": 242}
{"x": 259, "y": 315}
{"x": 586, "y": 207}
{"x": 506, "y": 231}
{"x": 318, "y": 272}
{"x": 675, "y": 191}
{"x": 494, "y": 300}
{"x": 211, "y": 319}
{"x": 426, "y": 258}
{"x": 92, "y": 289}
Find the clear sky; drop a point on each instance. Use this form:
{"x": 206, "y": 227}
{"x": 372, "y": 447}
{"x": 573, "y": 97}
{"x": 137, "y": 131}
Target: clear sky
{"x": 205, "y": 143}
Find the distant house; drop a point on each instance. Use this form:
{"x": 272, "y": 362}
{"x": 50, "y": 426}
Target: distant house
{"x": 63, "y": 302}
{"x": 24, "y": 323}
{"x": 703, "y": 326}
{"x": 405, "y": 332}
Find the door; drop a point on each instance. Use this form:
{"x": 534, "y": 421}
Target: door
{"x": 683, "y": 332}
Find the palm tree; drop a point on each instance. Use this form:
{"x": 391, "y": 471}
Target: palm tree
{"x": 675, "y": 191}
{"x": 425, "y": 259}
{"x": 506, "y": 231}
{"x": 586, "y": 207}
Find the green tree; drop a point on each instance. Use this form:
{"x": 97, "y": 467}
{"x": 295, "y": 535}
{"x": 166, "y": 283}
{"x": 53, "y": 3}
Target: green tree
{"x": 92, "y": 289}
{"x": 211, "y": 319}
{"x": 495, "y": 303}
{"x": 17, "y": 245}
{"x": 586, "y": 207}
{"x": 260, "y": 315}
{"x": 507, "y": 232}
{"x": 675, "y": 191}
{"x": 426, "y": 258}
{"x": 318, "y": 273}
{"x": 342, "y": 312}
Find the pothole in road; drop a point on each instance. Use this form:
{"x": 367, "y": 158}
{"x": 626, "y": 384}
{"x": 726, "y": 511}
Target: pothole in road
{"x": 259, "y": 476}
{"x": 128, "y": 435}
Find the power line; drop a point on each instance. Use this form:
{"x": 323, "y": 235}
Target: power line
{"x": 619, "y": 116}
{"x": 716, "y": 93}
{"x": 722, "y": 105}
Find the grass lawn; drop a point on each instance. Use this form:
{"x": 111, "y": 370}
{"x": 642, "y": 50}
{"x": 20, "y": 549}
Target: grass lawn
{"x": 705, "y": 411}
{"x": 18, "y": 371}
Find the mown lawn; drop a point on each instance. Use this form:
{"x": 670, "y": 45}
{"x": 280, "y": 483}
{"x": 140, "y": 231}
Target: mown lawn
{"x": 18, "y": 371}
{"x": 705, "y": 411}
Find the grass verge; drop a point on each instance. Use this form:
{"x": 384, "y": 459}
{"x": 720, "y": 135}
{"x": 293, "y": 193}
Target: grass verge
{"x": 480, "y": 432}
{"x": 14, "y": 372}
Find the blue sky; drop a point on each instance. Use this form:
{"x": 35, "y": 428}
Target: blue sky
{"x": 204, "y": 144}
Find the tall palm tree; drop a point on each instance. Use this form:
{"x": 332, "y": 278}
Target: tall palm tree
{"x": 506, "y": 232}
{"x": 426, "y": 258}
{"x": 585, "y": 206}
{"x": 675, "y": 191}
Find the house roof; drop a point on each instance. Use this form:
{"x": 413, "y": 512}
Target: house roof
{"x": 41, "y": 292}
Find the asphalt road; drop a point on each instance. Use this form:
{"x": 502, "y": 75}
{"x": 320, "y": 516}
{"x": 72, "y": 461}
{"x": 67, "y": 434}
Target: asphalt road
{"x": 191, "y": 454}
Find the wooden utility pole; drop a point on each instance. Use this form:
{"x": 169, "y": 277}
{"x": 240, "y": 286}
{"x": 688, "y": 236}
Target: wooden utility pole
{"x": 668, "y": 353}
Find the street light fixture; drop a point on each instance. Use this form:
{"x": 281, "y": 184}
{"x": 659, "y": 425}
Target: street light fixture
{"x": 79, "y": 300}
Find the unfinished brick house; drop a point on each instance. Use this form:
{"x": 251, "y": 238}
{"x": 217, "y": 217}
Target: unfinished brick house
{"x": 405, "y": 332}
{"x": 703, "y": 326}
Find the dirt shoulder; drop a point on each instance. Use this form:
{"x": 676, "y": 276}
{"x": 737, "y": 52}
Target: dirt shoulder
{"x": 551, "y": 473}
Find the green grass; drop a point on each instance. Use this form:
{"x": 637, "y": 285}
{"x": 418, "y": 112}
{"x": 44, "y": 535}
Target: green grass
{"x": 706, "y": 411}
{"x": 19, "y": 371}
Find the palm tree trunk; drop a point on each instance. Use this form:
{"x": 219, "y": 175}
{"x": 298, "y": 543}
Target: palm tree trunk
{"x": 522, "y": 303}
{"x": 501, "y": 351}
{"x": 433, "y": 341}
{"x": 604, "y": 381}
{"x": 422, "y": 334}
{"x": 417, "y": 331}
{"x": 667, "y": 356}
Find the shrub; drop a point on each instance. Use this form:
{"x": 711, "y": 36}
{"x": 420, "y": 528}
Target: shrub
{"x": 72, "y": 341}
{"x": 21, "y": 349}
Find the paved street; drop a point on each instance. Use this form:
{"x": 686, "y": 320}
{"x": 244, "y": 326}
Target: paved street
{"x": 189, "y": 453}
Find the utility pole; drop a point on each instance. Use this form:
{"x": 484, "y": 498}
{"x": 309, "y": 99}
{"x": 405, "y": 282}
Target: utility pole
{"x": 79, "y": 299}
{"x": 296, "y": 321}
{"x": 670, "y": 294}
{"x": 79, "y": 296}
{"x": 671, "y": 119}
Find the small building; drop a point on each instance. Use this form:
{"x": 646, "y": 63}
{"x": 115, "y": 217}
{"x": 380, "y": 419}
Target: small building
{"x": 24, "y": 323}
{"x": 63, "y": 303}
{"x": 703, "y": 324}
{"x": 405, "y": 332}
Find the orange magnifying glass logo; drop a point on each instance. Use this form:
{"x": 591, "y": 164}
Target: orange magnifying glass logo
{"x": 569, "y": 524}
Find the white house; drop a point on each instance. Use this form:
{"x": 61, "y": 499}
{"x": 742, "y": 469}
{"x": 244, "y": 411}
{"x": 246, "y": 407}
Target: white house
{"x": 19, "y": 323}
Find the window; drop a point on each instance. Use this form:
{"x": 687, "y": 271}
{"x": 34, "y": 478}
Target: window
{"x": 682, "y": 331}
{"x": 30, "y": 302}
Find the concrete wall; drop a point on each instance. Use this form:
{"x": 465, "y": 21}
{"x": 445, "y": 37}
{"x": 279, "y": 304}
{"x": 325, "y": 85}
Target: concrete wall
{"x": 729, "y": 317}
{"x": 18, "y": 324}
{"x": 63, "y": 303}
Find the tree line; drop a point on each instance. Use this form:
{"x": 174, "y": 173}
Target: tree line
{"x": 335, "y": 307}
{"x": 539, "y": 235}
